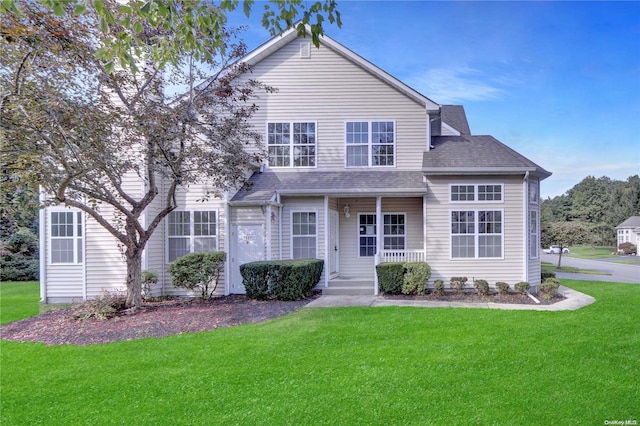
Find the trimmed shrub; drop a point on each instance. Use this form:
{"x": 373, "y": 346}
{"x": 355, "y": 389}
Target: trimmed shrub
{"x": 198, "y": 271}
{"x": 390, "y": 277}
{"x": 416, "y": 275}
{"x": 281, "y": 279}
{"x": 438, "y": 287}
{"x": 545, "y": 275}
{"x": 549, "y": 289}
{"x": 102, "y": 307}
{"x": 458, "y": 284}
{"x": 148, "y": 279}
{"x": 482, "y": 287}
{"x": 503, "y": 288}
{"x": 627, "y": 248}
{"x": 522, "y": 287}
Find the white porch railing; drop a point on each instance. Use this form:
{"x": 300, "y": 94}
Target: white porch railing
{"x": 402, "y": 256}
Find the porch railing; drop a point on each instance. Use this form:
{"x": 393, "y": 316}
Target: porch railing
{"x": 402, "y": 256}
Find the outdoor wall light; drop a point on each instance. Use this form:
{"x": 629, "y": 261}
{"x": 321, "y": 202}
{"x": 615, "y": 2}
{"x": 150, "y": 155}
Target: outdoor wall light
{"x": 346, "y": 211}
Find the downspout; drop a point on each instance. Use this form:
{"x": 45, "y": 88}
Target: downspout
{"x": 267, "y": 212}
{"x": 525, "y": 215}
{"x": 280, "y": 209}
{"x": 42, "y": 228}
{"x": 84, "y": 255}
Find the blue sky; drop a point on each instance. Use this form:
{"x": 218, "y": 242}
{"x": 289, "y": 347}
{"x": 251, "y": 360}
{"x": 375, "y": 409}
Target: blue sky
{"x": 558, "y": 82}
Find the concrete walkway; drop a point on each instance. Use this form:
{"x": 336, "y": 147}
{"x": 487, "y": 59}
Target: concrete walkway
{"x": 574, "y": 300}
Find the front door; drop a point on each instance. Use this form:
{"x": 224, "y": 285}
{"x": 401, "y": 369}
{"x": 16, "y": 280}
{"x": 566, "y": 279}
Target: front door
{"x": 333, "y": 243}
{"x": 247, "y": 246}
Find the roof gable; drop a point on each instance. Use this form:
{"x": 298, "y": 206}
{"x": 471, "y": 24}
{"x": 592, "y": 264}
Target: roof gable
{"x": 277, "y": 42}
{"x": 632, "y": 222}
{"x": 455, "y": 117}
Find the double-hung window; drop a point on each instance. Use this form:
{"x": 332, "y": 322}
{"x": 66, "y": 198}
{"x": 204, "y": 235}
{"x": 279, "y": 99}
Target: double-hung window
{"x": 370, "y": 143}
{"x": 304, "y": 237}
{"x": 291, "y": 144}
{"x": 534, "y": 235}
{"x": 476, "y": 234}
{"x": 191, "y": 232}
{"x": 394, "y": 234}
{"x": 66, "y": 237}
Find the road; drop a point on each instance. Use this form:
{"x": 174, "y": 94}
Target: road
{"x": 621, "y": 273}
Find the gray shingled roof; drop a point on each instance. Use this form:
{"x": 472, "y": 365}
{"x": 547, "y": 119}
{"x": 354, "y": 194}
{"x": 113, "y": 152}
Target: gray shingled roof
{"x": 475, "y": 155}
{"x": 264, "y": 186}
{"x": 632, "y": 222}
{"x": 455, "y": 117}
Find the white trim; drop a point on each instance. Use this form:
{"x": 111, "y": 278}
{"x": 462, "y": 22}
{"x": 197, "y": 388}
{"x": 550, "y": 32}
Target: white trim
{"x": 327, "y": 251}
{"x": 227, "y": 244}
{"x": 476, "y": 234}
{"x": 291, "y": 213}
{"x": 424, "y": 226}
{"x": 291, "y": 145}
{"x": 370, "y": 144}
{"x": 42, "y": 234}
{"x": 476, "y": 193}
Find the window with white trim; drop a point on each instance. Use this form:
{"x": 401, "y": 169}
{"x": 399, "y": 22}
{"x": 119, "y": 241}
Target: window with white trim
{"x": 304, "y": 235}
{"x": 534, "y": 191}
{"x": 370, "y": 143}
{"x": 394, "y": 231}
{"x": 191, "y": 232}
{"x": 481, "y": 193}
{"x": 476, "y": 234}
{"x": 394, "y": 235}
{"x": 534, "y": 235}
{"x": 66, "y": 237}
{"x": 291, "y": 144}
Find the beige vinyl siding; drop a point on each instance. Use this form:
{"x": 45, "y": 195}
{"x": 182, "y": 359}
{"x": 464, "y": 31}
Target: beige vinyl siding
{"x": 511, "y": 268}
{"x": 329, "y": 89}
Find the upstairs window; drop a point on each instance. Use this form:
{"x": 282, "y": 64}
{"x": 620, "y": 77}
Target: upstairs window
{"x": 370, "y": 143}
{"x": 191, "y": 232}
{"x": 66, "y": 237}
{"x": 292, "y": 144}
{"x": 476, "y": 193}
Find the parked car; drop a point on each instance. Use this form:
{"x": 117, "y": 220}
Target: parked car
{"x": 556, "y": 250}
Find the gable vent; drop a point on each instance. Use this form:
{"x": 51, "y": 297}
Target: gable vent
{"x": 305, "y": 50}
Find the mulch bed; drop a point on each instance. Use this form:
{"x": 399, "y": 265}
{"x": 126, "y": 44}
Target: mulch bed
{"x": 169, "y": 317}
{"x": 514, "y": 298}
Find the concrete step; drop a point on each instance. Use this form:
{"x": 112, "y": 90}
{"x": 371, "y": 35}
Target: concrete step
{"x": 349, "y": 288}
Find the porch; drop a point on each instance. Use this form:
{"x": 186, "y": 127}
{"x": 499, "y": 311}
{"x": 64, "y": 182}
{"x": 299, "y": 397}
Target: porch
{"x": 365, "y": 286}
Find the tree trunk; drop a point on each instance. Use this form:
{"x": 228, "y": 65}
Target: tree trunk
{"x": 560, "y": 257}
{"x": 134, "y": 279}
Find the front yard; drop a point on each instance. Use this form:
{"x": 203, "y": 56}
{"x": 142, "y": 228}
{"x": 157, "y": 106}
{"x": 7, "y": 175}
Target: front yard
{"x": 348, "y": 366}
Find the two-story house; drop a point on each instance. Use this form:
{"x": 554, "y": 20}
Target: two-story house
{"x": 361, "y": 169}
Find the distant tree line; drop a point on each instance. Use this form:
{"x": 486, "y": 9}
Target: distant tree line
{"x": 595, "y": 206}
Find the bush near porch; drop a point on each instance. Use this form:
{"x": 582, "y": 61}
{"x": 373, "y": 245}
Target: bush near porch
{"x": 403, "y": 278}
{"x": 281, "y": 279}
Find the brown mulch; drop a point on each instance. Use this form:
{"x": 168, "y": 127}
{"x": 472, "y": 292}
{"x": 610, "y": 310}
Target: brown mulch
{"x": 514, "y": 298}
{"x": 168, "y": 317}
{"x": 158, "y": 319}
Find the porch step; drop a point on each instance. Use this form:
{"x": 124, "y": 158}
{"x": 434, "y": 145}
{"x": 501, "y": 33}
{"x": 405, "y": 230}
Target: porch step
{"x": 349, "y": 287}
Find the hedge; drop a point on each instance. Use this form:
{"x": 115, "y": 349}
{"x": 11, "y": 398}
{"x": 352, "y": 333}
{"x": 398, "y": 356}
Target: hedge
{"x": 403, "y": 278}
{"x": 281, "y": 279}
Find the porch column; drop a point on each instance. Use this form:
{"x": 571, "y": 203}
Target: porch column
{"x": 424, "y": 226}
{"x": 327, "y": 249}
{"x": 379, "y": 241}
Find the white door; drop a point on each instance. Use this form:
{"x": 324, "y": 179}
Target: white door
{"x": 247, "y": 246}
{"x": 333, "y": 243}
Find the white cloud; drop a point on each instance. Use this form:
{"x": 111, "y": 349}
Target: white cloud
{"x": 455, "y": 85}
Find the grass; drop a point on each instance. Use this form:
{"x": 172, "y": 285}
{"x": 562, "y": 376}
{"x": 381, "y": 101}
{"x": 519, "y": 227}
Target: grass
{"x": 588, "y": 252}
{"x": 551, "y": 267}
{"x": 18, "y": 300}
{"x": 392, "y": 365}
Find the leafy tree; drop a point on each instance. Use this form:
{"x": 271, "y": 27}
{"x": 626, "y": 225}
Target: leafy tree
{"x": 565, "y": 234}
{"x": 87, "y": 115}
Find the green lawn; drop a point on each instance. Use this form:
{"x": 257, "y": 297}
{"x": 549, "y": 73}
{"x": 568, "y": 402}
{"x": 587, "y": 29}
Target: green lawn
{"x": 18, "y": 300}
{"x": 588, "y": 252}
{"x": 343, "y": 366}
{"x": 553, "y": 267}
